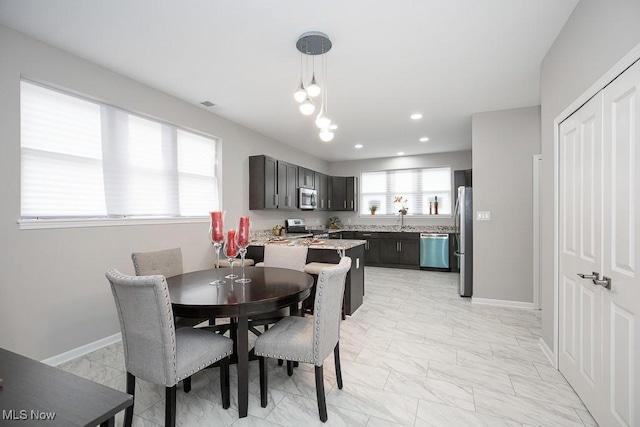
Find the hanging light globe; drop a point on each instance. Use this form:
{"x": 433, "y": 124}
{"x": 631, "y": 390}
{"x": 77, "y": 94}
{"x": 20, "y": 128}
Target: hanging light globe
{"x": 307, "y": 108}
{"x": 300, "y": 94}
{"x": 322, "y": 121}
{"x": 313, "y": 89}
{"x": 326, "y": 135}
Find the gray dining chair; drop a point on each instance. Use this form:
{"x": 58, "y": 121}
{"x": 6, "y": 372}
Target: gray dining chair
{"x": 167, "y": 262}
{"x": 309, "y": 339}
{"x": 284, "y": 256}
{"x": 157, "y": 352}
{"x": 279, "y": 256}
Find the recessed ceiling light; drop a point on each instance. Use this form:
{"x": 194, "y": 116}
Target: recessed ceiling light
{"x": 416, "y": 116}
{"x": 400, "y": 153}
{"x": 358, "y": 145}
{"x": 424, "y": 139}
{"x": 207, "y": 103}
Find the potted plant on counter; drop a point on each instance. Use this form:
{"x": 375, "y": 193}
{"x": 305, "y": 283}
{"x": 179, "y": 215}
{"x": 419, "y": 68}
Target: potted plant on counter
{"x": 334, "y": 223}
{"x": 373, "y": 209}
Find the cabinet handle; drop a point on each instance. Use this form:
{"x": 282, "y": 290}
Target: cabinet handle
{"x": 275, "y": 199}
{"x": 352, "y": 204}
{"x": 345, "y": 204}
{"x": 400, "y": 244}
{"x": 329, "y": 204}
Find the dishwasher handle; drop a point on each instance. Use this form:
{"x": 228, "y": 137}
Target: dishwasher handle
{"x": 433, "y": 236}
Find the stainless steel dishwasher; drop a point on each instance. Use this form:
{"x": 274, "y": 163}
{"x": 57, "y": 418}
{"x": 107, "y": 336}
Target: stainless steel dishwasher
{"x": 434, "y": 251}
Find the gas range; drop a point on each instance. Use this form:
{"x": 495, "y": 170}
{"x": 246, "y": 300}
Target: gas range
{"x": 297, "y": 228}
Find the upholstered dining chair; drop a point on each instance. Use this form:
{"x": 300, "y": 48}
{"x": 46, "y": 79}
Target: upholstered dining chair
{"x": 167, "y": 262}
{"x": 309, "y": 339}
{"x": 280, "y": 256}
{"x": 284, "y": 256}
{"x": 154, "y": 350}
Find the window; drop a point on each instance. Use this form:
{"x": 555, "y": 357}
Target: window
{"x": 82, "y": 159}
{"x": 418, "y": 189}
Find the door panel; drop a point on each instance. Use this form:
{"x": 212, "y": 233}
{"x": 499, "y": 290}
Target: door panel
{"x": 621, "y": 123}
{"x": 580, "y": 232}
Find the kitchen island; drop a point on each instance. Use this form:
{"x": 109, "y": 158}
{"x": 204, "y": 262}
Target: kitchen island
{"x": 323, "y": 250}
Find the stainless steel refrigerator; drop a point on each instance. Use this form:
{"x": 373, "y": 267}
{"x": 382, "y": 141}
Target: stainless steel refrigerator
{"x": 463, "y": 215}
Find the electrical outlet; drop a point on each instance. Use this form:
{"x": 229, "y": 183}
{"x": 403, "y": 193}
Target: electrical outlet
{"x": 483, "y": 215}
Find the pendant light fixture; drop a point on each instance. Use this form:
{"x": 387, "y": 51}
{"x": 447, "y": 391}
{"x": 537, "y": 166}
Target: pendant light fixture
{"x": 301, "y": 93}
{"x": 307, "y": 107}
{"x": 314, "y": 88}
{"x": 314, "y": 43}
{"x": 322, "y": 120}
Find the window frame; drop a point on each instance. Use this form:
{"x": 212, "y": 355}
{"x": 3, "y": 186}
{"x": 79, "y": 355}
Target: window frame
{"x": 363, "y": 211}
{"x": 28, "y": 223}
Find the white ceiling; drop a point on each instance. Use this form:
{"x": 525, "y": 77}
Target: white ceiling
{"x": 446, "y": 59}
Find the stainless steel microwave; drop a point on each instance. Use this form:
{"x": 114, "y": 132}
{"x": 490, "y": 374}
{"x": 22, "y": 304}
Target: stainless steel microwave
{"x": 307, "y": 199}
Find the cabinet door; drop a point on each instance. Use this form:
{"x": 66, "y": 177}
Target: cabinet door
{"x": 388, "y": 251}
{"x": 338, "y": 193}
{"x": 351, "y": 193}
{"x": 287, "y": 185}
{"x": 305, "y": 178}
{"x": 409, "y": 253}
{"x": 263, "y": 183}
{"x": 320, "y": 183}
{"x": 371, "y": 248}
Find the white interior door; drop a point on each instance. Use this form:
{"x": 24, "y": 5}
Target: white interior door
{"x": 580, "y": 309}
{"x": 599, "y": 226}
{"x": 621, "y": 227}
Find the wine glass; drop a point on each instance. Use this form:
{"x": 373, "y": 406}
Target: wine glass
{"x": 231, "y": 251}
{"x": 216, "y": 235}
{"x": 242, "y": 241}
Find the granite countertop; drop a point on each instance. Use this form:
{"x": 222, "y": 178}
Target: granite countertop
{"x": 263, "y": 239}
{"x": 396, "y": 228}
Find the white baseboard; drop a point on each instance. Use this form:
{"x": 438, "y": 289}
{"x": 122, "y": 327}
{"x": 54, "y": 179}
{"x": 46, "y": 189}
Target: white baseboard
{"x": 82, "y": 350}
{"x": 547, "y": 352}
{"x": 503, "y": 303}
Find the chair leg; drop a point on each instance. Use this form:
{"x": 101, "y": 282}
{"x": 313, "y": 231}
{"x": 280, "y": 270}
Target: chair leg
{"x": 131, "y": 389}
{"x": 170, "y": 407}
{"x": 224, "y": 382}
{"x": 263, "y": 381}
{"x": 336, "y": 357}
{"x": 289, "y": 368}
{"x": 280, "y": 362}
{"x": 186, "y": 384}
{"x": 322, "y": 404}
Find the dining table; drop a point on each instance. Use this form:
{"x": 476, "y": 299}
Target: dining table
{"x": 270, "y": 289}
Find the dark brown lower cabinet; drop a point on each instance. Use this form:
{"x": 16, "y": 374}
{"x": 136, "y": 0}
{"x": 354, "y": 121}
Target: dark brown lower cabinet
{"x": 391, "y": 249}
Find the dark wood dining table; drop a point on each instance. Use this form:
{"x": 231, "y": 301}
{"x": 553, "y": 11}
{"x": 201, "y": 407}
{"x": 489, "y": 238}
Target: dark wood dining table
{"x": 270, "y": 289}
{"x": 33, "y": 393}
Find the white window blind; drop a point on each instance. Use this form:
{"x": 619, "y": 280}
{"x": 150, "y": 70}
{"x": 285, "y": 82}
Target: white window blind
{"x": 82, "y": 159}
{"x": 416, "y": 187}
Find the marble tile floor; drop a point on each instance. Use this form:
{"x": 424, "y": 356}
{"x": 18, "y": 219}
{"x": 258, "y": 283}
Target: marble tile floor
{"x": 415, "y": 354}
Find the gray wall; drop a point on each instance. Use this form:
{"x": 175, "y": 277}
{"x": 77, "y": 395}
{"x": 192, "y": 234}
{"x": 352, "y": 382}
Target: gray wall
{"x": 597, "y": 35}
{"x": 504, "y": 143}
{"x": 53, "y": 293}
{"x": 456, "y": 160}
